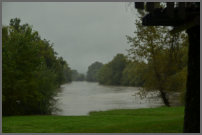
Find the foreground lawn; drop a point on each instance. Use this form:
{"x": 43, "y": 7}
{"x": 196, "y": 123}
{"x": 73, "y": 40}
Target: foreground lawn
{"x": 151, "y": 120}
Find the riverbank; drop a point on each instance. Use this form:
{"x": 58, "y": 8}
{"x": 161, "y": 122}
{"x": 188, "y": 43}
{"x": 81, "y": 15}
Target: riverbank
{"x": 150, "y": 120}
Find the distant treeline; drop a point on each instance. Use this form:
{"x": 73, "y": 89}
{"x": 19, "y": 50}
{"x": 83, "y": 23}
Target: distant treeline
{"x": 76, "y": 76}
{"x": 92, "y": 73}
{"x": 119, "y": 71}
{"x": 32, "y": 72}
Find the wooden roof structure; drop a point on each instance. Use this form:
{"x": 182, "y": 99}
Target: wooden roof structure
{"x": 180, "y": 15}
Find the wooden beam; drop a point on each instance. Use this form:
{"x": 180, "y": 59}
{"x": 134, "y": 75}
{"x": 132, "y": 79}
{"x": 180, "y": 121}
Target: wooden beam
{"x": 170, "y": 9}
{"x": 185, "y": 26}
{"x": 139, "y": 5}
{"x": 150, "y": 6}
{"x": 181, "y": 10}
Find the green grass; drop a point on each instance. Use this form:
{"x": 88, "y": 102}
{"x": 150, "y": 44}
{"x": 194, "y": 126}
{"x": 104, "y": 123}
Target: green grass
{"x": 151, "y": 120}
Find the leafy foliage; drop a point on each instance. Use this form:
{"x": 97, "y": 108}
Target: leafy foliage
{"x": 77, "y": 76}
{"x": 111, "y": 73}
{"x": 165, "y": 56}
{"x": 31, "y": 71}
{"x": 92, "y": 73}
{"x": 133, "y": 74}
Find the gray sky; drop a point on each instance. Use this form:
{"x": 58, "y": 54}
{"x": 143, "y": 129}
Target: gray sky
{"x": 82, "y": 32}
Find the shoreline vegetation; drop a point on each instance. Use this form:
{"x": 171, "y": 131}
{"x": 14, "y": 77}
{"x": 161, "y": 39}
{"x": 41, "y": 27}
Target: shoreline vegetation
{"x": 146, "y": 120}
{"x": 32, "y": 71}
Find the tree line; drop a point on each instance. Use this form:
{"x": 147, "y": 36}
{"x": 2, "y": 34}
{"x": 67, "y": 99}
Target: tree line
{"x": 76, "y": 76}
{"x": 32, "y": 71}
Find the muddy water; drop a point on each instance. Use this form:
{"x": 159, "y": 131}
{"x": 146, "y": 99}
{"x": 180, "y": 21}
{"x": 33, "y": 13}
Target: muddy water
{"x": 80, "y": 98}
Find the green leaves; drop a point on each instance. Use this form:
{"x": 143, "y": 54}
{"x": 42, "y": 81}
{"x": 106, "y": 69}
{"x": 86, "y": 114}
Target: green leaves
{"x": 31, "y": 71}
{"x": 77, "y": 76}
{"x": 92, "y": 73}
{"x": 164, "y": 54}
{"x": 133, "y": 74}
{"x": 111, "y": 73}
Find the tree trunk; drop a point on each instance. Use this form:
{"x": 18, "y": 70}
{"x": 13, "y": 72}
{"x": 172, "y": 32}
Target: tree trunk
{"x": 164, "y": 97}
{"x": 192, "y": 101}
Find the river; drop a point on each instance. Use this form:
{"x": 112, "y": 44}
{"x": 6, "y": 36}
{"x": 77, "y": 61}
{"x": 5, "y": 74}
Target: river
{"x": 80, "y": 98}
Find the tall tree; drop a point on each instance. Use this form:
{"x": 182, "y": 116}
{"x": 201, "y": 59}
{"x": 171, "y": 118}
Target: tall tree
{"x": 31, "y": 71}
{"x": 161, "y": 52}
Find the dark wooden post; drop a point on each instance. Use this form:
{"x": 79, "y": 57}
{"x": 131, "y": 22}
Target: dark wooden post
{"x": 192, "y": 105}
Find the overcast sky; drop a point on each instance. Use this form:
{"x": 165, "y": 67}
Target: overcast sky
{"x": 82, "y": 32}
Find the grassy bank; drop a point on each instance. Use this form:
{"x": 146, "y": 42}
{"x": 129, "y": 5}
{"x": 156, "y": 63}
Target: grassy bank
{"x": 152, "y": 120}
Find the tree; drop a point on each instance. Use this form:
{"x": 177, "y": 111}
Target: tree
{"x": 111, "y": 73}
{"x": 92, "y": 73}
{"x": 77, "y": 76}
{"x": 63, "y": 71}
{"x": 161, "y": 51}
{"x": 31, "y": 71}
{"x": 105, "y": 75}
{"x": 20, "y": 61}
{"x": 133, "y": 74}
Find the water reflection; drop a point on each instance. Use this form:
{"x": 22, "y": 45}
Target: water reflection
{"x": 80, "y": 98}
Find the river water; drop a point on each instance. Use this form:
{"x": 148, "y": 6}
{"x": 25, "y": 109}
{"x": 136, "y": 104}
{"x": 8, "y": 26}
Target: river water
{"x": 80, "y": 98}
